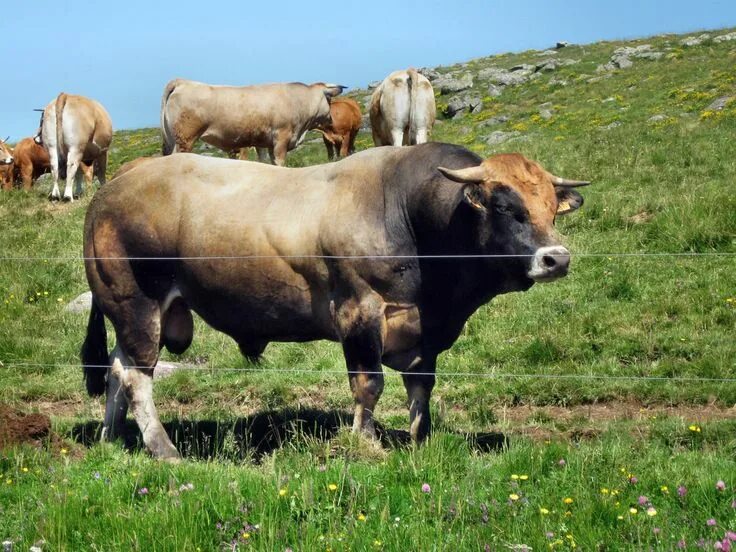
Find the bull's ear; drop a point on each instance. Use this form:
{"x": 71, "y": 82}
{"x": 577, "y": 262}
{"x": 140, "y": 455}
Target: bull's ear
{"x": 473, "y": 196}
{"x": 332, "y": 90}
{"x": 568, "y": 200}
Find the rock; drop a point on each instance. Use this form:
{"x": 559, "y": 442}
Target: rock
{"x": 657, "y": 118}
{"x": 546, "y": 53}
{"x": 523, "y": 67}
{"x": 494, "y": 91}
{"x": 7, "y": 546}
{"x": 497, "y": 120}
{"x": 650, "y": 55}
{"x": 365, "y": 122}
{"x": 503, "y": 77}
{"x": 720, "y": 103}
{"x": 558, "y": 82}
{"x": 546, "y": 114}
{"x": 725, "y": 38}
{"x": 500, "y": 136}
{"x": 611, "y": 126}
{"x": 621, "y": 57}
{"x": 562, "y": 44}
{"x": 81, "y": 303}
{"x": 450, "y": 85}
{"x": 165, "y": 369}
{"x": 553, "y": 64}
{"x": 458, "y": 105}
{"x": 430, "y": 73}
{"x": 373, "y": 85}
{"x": 597, "y": 79}
{"x": 695, "y": 40}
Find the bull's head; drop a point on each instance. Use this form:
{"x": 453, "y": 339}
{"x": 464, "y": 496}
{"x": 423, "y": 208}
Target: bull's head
{"x": 6, "y": 154}
{"x": 322, "y": 117}
{"x": 514, "y": 202}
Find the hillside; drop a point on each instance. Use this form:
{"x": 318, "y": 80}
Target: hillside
{"x": 625, "y": 354}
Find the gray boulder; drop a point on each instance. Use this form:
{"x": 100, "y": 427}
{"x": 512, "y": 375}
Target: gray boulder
{"x": 494, "y": 91}
{"x": 430, "y": 73}
{"x": 695, "y": 40}
{"x": 611, "y": 126}
{"x": 450, "y": 85}
{"x": 554, "y": 64}
{"x": 621, "y": 57}
{"x": 496, "y": 120}
{"x": 725, "y": 38}
{"x": 502, "y": 77}
{"x": 81, "y": 303}
{"x": 500, "y": 136}
{"x": 657, "y": 118}
{"x": 464, "y": 103}
{"x": 720, "y": 103}
{"x": 545, "y": 53}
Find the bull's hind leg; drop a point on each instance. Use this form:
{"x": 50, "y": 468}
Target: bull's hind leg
{"x": 116, "y": 406}
{"x": 360, "y": 327}
{"x": 137, "y": 385}
{"x": 73, "y": 174}
{"x": 419, "y": 389}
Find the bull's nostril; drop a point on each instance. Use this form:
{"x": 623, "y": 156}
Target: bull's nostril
{"x": 549, "y": 261}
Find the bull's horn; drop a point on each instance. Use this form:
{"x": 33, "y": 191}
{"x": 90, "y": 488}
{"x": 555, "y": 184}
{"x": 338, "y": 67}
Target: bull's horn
{"x": 7, "y": 138}
{"x": 557, "y": 181}
{"x": 469, "y": 175}
{"x": 39, "y": 110}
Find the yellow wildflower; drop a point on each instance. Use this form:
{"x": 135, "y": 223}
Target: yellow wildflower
{"x": 361, "y": 517}
{"x": 514, "y": 496}
{"x": 282, "y": 492}
{"x": 332, "y": 487}
{"x": 604, "y": 491}
{"x": 567, "y": 500}
{"x": 544, "y": 511}
{"x": 514, "y": 476}
{"x": 633, "y": 511}
{"x": 523, "y": 477}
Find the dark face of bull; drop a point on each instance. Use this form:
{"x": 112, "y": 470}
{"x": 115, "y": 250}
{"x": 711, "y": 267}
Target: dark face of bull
{"x": 512, "y": 204}
{"x": 323, "y": 118}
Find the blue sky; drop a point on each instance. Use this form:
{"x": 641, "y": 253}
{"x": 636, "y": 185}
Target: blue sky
{"x": 122, "y": 53}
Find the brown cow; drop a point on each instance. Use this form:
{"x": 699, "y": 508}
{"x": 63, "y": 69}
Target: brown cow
{"x": 273, "y": 117}
{"x": 75, "y": 130}
{"x": 339, "y": 135}
{"x": 387, "y": 252}
{"x": 31, "y": 161}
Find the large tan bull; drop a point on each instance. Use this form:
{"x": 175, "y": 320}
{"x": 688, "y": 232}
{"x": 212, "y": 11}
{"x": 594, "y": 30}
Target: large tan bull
{"x": 75, "y": 130}
{"x": 402, "y": 109}
{"x": 353, "y": 251}
{"x": 6, "y": 166}
{"x": 273, "y": 117}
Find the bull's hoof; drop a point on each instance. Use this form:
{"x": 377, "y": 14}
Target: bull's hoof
{"x": 68, "y": 198}
{"x": 54, "y": 197}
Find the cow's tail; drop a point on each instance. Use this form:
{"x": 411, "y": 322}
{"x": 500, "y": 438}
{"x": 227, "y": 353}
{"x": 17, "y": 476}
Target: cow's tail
{"x": 166, "y": 132}
{"x": 61, "y": 154}
{"x": 413, "y": 88}
{"x": 95, "y": 358}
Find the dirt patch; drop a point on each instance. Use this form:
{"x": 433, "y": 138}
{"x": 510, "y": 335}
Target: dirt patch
{"x": 18, "y": 428}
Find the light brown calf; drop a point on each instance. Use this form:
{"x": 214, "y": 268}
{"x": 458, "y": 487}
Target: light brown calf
{"x": 339, "y": 135}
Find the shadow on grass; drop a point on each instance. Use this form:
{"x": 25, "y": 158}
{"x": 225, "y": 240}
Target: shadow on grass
{"x": 260, "y": 434}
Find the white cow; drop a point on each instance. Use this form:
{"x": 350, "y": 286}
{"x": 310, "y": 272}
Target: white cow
{"x": 402, "y": 109}
{"x": 75, "y": 129}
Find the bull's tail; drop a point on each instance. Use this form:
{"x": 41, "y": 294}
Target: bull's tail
{"x": 166, "y": 132}
{"x": 95, "y": 358}
{"x": 413, "y": 83}
{"x": 60, "y": 151}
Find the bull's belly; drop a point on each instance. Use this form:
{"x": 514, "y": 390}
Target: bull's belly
{"x": 233, "y": 139}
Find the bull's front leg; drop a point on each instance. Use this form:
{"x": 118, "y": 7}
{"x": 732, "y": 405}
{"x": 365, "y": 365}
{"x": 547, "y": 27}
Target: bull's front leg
{"x": 419, "y": 387}
{"x": 359, "y": 323}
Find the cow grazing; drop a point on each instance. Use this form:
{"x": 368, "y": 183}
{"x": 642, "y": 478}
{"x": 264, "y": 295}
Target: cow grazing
{"x": 75, "y": 130}
{"x": 336, "y": 251}
{"x": 32, "y": 161}
{"x": 339, "y": 135}
{"x": 6, "y": 166}
{"x": 402, "y": 110}
{"x": 272, "y": 117}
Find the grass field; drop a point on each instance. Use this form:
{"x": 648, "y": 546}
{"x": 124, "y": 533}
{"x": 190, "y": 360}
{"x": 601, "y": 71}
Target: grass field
{"x": 554, "y": 369}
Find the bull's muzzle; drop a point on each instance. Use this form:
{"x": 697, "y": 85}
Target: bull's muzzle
{"x": 6, "y": 161}
{"x": 549, "y": 263}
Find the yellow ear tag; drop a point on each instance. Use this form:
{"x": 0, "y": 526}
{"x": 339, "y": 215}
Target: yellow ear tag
{"x": 563, "y": 206}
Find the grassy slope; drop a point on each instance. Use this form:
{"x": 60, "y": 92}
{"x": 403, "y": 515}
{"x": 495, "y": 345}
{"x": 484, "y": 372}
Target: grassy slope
{"x": 662, "y": 186}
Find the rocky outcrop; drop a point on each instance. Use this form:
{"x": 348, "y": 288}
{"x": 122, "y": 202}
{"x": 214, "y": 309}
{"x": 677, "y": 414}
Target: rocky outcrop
{"x": 622, "y": 57}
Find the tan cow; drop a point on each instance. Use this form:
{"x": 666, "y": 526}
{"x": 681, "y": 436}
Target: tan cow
{"x": 6, "y": 166}
{"x": 339, "y": 135}
{"x": 75, "y": 130}
{"x": 402, "y": 109}
{"x": 272, "y": 117}
{"x": 344, "y": 251}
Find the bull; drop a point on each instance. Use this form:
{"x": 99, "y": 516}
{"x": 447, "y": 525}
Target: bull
{"x": 32, "y": 161}
{"x": 339, "y": 134}
{"x": 273, "y": 117}
{"x": 6, "y": 165}
{"x": 345, "y": 252}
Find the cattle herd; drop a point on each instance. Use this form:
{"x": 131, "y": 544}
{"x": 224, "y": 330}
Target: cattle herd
{"x": 388, "y": 251}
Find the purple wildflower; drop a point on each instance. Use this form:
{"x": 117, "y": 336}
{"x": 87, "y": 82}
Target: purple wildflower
{"x": 720, "y": 485}
{"x": 643, "y": 500}
{"x": 549, "y": 535}
{"x": 681, "y": 491}
{"x": 143, "y": 491}
{"x": 681, "y": 544}
{"x": 656, "y": 530}
{"x": 633, "y": 480}
{"x": 562, "y": 463}
{"x": 96, "y": 475}
{"x": 730, "y": 535}
{"x": 426, "y": 488}
{"x": 322, "y": 468}
{"x": 711, "y": 522}
{"x": 733, "y": 503}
